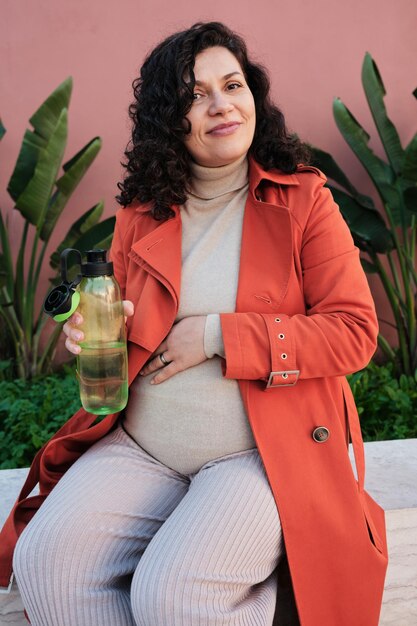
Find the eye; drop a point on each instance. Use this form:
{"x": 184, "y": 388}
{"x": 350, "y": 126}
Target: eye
{"x": 234, "y": 85}
{"x": 196, "y": 95}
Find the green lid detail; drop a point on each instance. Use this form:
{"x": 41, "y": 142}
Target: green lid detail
{"x": 75, "y": 301}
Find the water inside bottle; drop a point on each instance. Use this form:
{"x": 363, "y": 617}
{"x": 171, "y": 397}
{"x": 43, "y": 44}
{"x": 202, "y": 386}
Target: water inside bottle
{"x": 102, "y": 376}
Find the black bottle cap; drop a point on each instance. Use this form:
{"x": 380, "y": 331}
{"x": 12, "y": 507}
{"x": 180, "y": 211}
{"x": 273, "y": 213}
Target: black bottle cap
{"x": 96, "y": 264}
{"x": 62, "y": 301}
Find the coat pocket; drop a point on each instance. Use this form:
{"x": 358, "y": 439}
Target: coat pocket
{"x": 373, "y": 513}
{"x": 375, "y": 521}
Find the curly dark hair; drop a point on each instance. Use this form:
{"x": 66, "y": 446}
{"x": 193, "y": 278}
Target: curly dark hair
{"x": 158, "y": 163}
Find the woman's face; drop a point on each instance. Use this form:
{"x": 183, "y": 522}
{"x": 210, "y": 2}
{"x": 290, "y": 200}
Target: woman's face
{"x": 222, "y": 115}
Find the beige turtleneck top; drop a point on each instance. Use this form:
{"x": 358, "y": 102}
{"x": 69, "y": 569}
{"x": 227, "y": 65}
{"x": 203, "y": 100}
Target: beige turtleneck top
{"x": 198, "y": 415}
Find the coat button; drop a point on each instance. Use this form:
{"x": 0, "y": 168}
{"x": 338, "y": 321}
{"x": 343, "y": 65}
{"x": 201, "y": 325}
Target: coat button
{"x": 321, "y": 434}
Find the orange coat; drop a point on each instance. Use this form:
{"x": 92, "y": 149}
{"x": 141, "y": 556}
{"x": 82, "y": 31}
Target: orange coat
{"x": 304, "y": 319}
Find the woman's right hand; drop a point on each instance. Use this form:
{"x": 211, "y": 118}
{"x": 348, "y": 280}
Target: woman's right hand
{"x": 74, "y": 334}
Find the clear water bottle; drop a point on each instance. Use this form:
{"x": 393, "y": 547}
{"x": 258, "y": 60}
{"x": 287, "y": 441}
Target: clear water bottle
{"x": 102, "y": 370}
{"x": 102, "y": 362}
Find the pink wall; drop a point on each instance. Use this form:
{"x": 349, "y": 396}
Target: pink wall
{"x": 314, "y": 52}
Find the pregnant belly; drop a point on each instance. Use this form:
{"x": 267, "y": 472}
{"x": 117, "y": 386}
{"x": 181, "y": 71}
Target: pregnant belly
{"x": 189, "y": 419}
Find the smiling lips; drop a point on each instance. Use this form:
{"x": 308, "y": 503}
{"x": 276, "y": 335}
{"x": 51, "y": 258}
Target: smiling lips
{"x": 224, "y": 129}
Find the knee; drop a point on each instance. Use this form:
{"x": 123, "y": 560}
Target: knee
{"x": 36, "y": 553}
{"x": 155, "y": 596}
{"x": 29, "y": 555}
{"x": 44, "y": 551}
{"x": 19, "y": 559}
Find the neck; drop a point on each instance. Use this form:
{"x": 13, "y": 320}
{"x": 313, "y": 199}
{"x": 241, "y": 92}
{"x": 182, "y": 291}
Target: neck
{"x": 211, "y": 182}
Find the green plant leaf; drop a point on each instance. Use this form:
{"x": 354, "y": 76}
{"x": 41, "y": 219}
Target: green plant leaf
{"x": 375, "y": 92}
{"x": 367, "y": 225}
{"x": 410, "y": 199}
{"x": 410, "y": 160}
{"x": 74, "y": 172}
{"x": 44, "y": 122}
{"x": 33, "y": 202}
{"x": 25, "y": 166}
{"x": 368, "y": 267}
{"x": 381, "y": 173}
{"x": 3, "y": 271}
{"x": 46, "y": 118}
{"x": 325, "y": 162}
{"x": 6, "y": 263}
{"x": 2, "y": 129}
{"x": 81, "y": 226}
{"x": 96, "y": 236}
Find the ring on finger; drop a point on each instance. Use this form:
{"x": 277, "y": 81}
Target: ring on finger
{"x": 163, "y": 359}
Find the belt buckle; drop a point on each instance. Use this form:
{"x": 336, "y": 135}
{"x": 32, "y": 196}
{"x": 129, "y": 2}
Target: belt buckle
{"x": 272, "y": 374}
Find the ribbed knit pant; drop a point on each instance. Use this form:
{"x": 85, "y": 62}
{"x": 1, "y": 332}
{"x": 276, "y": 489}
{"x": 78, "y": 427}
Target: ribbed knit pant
{"x": 124, "y": 540}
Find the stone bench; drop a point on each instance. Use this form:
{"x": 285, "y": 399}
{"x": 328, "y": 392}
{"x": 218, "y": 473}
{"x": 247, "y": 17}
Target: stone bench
{"x": 391, "y": 478}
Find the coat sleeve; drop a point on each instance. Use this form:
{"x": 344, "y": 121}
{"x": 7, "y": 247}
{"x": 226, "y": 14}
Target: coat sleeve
{"x": 116, "y": 254}
{"x": 338, "y": 333}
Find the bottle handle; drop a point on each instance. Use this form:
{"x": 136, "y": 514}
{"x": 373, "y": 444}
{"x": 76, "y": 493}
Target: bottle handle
{"x": 64, "y": 266}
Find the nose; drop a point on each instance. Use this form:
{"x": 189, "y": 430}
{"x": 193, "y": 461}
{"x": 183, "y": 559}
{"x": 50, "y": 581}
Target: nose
{"x": 220, "y": 103}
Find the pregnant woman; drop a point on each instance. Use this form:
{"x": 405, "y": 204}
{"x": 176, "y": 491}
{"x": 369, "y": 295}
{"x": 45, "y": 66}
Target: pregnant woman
{"x": 246, "y": 306}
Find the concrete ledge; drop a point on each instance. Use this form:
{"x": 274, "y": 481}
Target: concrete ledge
{"x": 391, "y": 478}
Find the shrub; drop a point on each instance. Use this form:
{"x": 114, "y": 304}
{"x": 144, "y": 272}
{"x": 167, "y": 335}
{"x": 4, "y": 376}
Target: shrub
{"x": 32, "y": 411}
{"x": 387, "y": 405}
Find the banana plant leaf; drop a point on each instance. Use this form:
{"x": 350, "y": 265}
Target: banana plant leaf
{"x": 368, "y": 266}
{"x": 382, "y": 175}
{"x": 366, "y": 224}
{"x": 410, "y": 199}
{"x": 45, "y": 119}
{"x": 25, "y": 166}
{"x": 44, "y": 122}
{"x": 375, "y": 92}
{"x": 3, "y": 271}
{"x": 96, "y": 235}
{"x": 78, "y": 228}
{"x": 6, "y": 276}
{"x": 74, "y": 172}
{"x": 6, "y": 263}
{"x": 323, "y": 160}
{"x": 33, "y": 202}
{"x": 410, "y": 160}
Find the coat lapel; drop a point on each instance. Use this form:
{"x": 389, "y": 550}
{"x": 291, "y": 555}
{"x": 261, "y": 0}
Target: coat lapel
{"x": 265, "y": 258}
{"x": 266, "y": 248}
{"x": 155, "y": 291}
{"x": 159, "y": 253}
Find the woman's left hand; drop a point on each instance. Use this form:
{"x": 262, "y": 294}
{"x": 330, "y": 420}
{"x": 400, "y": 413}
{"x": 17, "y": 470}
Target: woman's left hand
{"x": 183, "y": 347}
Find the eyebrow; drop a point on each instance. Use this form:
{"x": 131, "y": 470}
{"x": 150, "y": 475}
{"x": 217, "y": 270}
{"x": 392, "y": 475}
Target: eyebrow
{"x": 202, "y": 83}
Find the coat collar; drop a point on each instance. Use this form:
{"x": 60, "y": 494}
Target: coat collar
{"x": 256, "y": 175}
